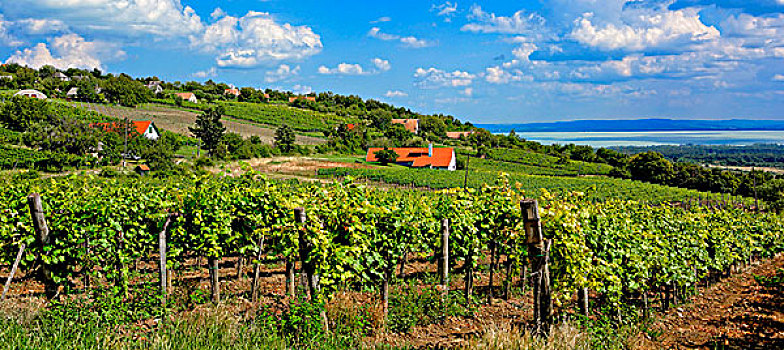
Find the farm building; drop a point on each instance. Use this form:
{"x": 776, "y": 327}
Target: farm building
{"x": 309, "y": 98}
{"x": 142, "y": 169}
{"x": 458, "y": 134}
{"x": 411, "y": 125}
{"x": 31, "y": 93}
{"x": 145, "y": 128}
{"x": 60, "y": 76}
{"x": 155, "y": 87}
{"x": 234, "y": 91}
{"x": 420, "y": 157}
{"x": 187, "y": 96}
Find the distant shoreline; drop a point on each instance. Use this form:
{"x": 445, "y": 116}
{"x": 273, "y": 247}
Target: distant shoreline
{"x": 639, "y": 125}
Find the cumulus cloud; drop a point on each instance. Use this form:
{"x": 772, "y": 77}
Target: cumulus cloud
{"x": 381, "y": 64}
{"x": 67, "y": 51}
{"x": 778, "y": 77}
{"x": 163, "y": 18}
{"x": 446, "y": 10}
{"x": 407, "y": 41}
{"x": 395, "y": 93}
{"x": 521, "y": 22}
{"x": 212, "y": 72}
{"x": 5, "y": 37}
{"x": 43, "y": 25}
{"x": 343, "y": 69}
{"x": 301, "y": 89}
{"x": 648, "y": 29}
{"x": 283, "y": 72}
{"x": 435, "y": 78}
{"x": 255, "y": 39}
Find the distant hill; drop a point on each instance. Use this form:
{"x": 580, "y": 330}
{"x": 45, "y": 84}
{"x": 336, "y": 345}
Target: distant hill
{"x": 628, "y": 125}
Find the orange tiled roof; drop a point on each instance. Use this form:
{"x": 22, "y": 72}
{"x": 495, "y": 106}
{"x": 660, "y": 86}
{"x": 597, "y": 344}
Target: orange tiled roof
{"x": 411, "y": 125}
{"x": 139, "y": 126}
{"x": 309, "y": 98}
{"x": 442, "y": 157}
{"x": 235, "y": 92}
{"x": 457, "y": 134}
{"x": 185, "y": 95}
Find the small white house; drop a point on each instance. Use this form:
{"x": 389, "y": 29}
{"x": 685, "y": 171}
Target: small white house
{"x": 6, "y": 77}
{"x": 31, "y": 93}
{"x": 72, "y": 93}
{"x": 155, "y": 87}
{"x": 188, "y": 96}
{"x": 60, "y": 76}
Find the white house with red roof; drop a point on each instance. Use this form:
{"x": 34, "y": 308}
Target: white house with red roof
{"x": 144, "y": 128}
{"x": 188, "y": 96}
{"x": 420, "y": 157}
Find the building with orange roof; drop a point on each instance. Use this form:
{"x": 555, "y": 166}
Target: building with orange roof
{"x": 187, "y": 96}
{"x": 420, "y": 157}
{"x": 411, "y": 125}
{"x": 144, "y": 128}
{"x": 309, "y": 98}
{"x": 458, "y": 134}
{"x": 233, "y": 91}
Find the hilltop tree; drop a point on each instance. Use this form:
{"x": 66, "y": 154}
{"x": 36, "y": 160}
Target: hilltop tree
{"x": 209, "y": 128}
{"x": 284, "y": 138}
{"x": 22, "y": 112}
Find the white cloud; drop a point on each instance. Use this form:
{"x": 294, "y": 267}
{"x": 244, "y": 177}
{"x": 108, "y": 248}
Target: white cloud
{"x": 163, "y": 18}
{"x": 301, "y": 89}
{"x": 256, "y": 39}
{"x": 218, "y": 13}
{"x": 283, "y": 72}
{"x": 67, "y": 51}
{"x": 381, "y": 64}
{"x": 395, "y": 93}
{"x": 5, "y": 37}
{"x": 778, "y": 77}
{"x": 382, "y": 20}
{"x": 520, "y": 23}
{"x": 343, "y": 69}
{"x": 467, "y": 92}
{"x": 408, "y": 41}
{"x": 650, "y": 29}
{"x": 499, "y": 75}
{"x": 435, "y": 78}
{"x": 43, "y": 26}
{"x": 212, "y": 72}
{"x": 446, "y": 10}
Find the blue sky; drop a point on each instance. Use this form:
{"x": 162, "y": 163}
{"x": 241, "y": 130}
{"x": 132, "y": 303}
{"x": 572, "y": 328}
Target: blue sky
{"x": 507, "y": 62}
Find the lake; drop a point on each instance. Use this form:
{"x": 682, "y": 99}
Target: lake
{"x": 650, "y": 138}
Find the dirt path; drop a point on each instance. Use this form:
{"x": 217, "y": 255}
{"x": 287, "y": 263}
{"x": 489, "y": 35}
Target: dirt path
{"x": 739, "y": 312}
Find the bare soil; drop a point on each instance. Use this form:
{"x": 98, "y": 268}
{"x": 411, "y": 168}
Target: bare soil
{"x": 735, "y": 313}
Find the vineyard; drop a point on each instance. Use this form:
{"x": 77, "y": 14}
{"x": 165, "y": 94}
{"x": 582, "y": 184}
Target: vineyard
{"x": 12, "y": 157}
{"x": 548, "y": 164}
{"x": 276, "y": 115}
{"x": 345, "y": 236}
{"x": 595, "y": 188}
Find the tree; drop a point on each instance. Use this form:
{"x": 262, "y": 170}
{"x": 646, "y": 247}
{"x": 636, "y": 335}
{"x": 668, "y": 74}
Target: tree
{"x": 386, "y": 156}
{"x": 209, "y": 128}
{"x": 126, "y": 91}
{"x": 21, "y": 112}
{"x": 65, "y": 134}
{"x": 398, "y": 133}
{"x": 284, "y": 138}
{"x": 651, "y": 167}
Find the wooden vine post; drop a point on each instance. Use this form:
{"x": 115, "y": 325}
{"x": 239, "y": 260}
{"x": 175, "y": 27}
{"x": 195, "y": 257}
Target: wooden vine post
{"x": 163, "y": 273}
{"x": 538, "y": 252}
{"x": 42, "y": 240}
{"x": 213, "y": 265}
{"x": 254, "y": 289}
{"x": 308, "y": 267}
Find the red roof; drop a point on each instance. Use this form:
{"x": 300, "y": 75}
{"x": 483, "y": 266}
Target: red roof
{"x": 309, "y": 98}
{"x": 139, "y": 126}
{"x": 411, "y": 125}
{"x": 185, "y": 95}
{"x": 350, "y": 126}
{"x": 442, "y": 157}
{"x": 235, "y": 92}
{"x": 457, "y": 134}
